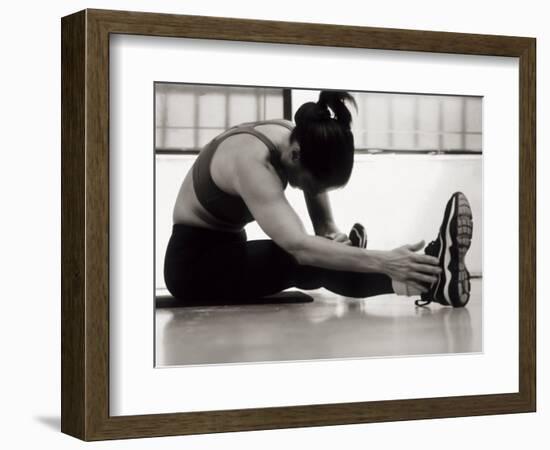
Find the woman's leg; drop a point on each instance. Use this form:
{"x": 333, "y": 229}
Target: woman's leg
{"x": 251, "y": 269}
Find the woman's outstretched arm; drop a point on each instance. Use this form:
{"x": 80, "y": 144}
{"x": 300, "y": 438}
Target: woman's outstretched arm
{"x": 320, "y": 213}
{"x": 258, "y": 185}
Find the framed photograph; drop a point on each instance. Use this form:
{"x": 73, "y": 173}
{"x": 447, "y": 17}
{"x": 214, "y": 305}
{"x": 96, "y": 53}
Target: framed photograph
{"x": 273, "y": 225}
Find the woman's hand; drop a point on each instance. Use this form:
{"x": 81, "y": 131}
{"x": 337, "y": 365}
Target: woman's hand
{"x": 338, "y": 236}
{"x": 404, "y": 264}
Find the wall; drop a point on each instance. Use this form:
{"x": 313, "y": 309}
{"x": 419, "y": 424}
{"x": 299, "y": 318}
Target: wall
{"x": 399, "y": 198}
{"x": 30, "y": 237}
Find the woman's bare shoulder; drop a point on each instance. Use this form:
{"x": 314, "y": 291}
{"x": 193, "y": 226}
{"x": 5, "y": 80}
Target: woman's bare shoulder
{"x": 250, "y": 148}
{"x": 256, "y": 158}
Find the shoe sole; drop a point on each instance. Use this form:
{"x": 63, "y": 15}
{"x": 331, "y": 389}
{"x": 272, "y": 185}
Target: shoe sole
{"x": 456, "y": 234}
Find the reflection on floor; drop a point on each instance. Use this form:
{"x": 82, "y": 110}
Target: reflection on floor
{"x": 330, "y": 327}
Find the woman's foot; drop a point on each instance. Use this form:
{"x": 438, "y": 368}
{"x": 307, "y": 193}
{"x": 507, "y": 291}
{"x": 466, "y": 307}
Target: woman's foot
{"x": 451, "y": 245}
{"x": 358, "y": 236}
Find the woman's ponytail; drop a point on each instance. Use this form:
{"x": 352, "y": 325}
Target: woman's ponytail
{"x": 311, "y": 112}
{"x": 335, "y": 101}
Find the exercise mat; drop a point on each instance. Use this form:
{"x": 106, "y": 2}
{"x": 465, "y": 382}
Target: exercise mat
{"x": 167, "y": 301}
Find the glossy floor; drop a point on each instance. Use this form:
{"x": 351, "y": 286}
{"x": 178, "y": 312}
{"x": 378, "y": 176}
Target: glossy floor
{"x": 330, "y": 327}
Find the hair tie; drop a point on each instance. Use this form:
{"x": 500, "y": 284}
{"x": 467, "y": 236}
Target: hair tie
{"x": 323, "y": 113}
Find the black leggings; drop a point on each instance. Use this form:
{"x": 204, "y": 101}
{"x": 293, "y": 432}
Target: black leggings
{"x": 209, "y": 266}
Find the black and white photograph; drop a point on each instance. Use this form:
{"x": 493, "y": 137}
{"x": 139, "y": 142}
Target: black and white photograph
{"x": 307, "y": 224}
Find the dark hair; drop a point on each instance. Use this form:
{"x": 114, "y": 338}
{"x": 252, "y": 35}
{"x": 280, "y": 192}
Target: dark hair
{"x": 325, "y": 139}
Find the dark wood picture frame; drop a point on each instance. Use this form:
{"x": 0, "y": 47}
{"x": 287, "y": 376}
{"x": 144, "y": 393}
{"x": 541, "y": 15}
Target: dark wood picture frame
{"x": 85, "y": 224}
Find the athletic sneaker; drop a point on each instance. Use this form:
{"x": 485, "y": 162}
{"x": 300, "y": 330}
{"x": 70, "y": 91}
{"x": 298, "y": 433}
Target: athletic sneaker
{"x": 452, "y": 287}
{"x": 358, "y": 236}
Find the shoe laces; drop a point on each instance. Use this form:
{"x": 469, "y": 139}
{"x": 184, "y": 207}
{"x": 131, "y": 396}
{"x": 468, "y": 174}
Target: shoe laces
{"x": 422, "y": 302}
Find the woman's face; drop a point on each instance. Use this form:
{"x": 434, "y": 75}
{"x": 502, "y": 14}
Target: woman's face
{"x": 301, "y": 178}
{"x": 310, "y": 185}
{"x": 298, "y": 176}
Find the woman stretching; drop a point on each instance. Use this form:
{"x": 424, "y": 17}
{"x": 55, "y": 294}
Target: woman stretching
{"x": 241, "y": 175}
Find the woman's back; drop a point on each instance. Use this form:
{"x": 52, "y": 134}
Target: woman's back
{"x": 207, "y": 196}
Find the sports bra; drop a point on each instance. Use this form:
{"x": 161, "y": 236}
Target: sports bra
{"x": 227, "y": 207}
